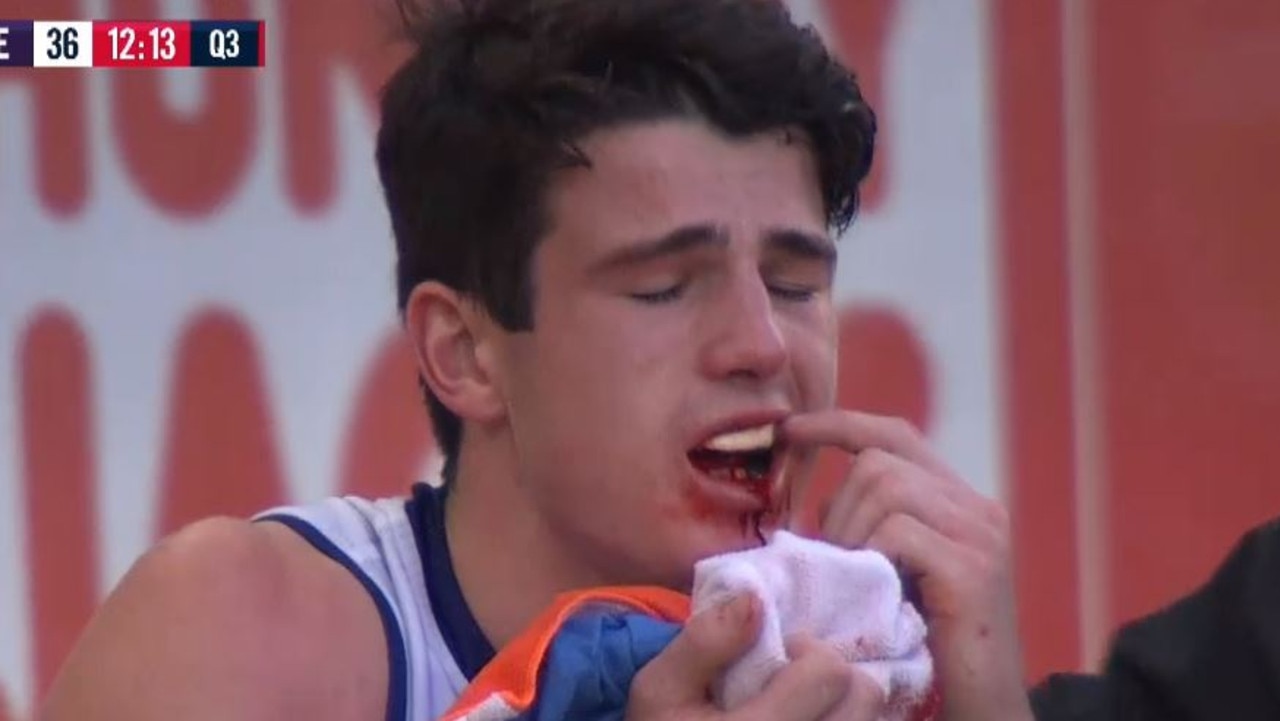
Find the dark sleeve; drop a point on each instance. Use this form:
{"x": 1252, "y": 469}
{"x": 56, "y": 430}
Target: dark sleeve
{"x": 1212, "y": 656}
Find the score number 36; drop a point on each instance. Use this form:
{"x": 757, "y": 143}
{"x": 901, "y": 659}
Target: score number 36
{"x": 124, "y": 40}
{"x": 63, "y": 44}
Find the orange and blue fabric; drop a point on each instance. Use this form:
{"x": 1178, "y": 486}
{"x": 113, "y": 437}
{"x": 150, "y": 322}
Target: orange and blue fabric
{"x": 577, "y": 660}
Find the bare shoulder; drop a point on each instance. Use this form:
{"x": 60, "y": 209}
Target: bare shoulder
{"x": 228, "y": 619}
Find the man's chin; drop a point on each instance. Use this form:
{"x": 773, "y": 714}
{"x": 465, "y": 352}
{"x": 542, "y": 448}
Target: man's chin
{"x": 693, "y": 543}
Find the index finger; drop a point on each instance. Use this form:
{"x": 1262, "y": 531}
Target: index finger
{"x": 854, "y": 432}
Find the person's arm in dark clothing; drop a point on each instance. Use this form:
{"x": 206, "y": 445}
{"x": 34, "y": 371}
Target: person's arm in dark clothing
{"x": 1212, "y": 656}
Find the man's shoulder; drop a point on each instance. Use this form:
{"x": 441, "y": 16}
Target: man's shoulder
{"x": 242, "y": 554}
{"x": 239, "y": 618}
{"x": 238, "y": 569}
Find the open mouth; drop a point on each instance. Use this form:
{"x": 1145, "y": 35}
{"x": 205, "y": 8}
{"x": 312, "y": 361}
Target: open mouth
{"x": 745, "y": 459}
{"x": 745, "y": 456}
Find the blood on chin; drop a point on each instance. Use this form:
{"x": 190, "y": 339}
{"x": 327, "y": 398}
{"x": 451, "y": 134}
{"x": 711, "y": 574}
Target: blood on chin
{"x": 731, "y": 529}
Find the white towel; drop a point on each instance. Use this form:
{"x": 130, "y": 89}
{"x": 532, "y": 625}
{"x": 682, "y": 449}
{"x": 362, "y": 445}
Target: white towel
{"x": 850, "y": 599}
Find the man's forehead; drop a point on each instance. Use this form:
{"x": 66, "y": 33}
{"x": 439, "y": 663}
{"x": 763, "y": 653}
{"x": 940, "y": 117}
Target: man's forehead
{"x": 646, "y": 180}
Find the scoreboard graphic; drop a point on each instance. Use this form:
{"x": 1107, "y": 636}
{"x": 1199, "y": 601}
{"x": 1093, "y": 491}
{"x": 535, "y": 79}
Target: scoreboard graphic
{"x": 133, "y": 44}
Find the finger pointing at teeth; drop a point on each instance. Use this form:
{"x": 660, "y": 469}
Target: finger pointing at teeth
{"x": 874, "y": 442}
{"x": 854, "y": 432}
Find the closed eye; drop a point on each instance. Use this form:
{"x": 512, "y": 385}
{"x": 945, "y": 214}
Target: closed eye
{"x": 793, "y": 293}
{"x": 657, "y": 297}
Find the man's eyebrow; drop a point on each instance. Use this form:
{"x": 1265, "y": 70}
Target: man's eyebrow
{"x": 802, "y": 243}
{"x": 680, "y": 240}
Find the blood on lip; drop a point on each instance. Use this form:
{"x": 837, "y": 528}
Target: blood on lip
{"x": 751, "y": 470}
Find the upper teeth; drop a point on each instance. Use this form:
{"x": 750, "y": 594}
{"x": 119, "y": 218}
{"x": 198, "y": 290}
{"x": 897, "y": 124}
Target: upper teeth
{"x": 749, "y": 439}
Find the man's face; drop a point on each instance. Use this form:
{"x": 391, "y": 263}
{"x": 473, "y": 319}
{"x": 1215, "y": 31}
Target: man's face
{"x": 682, "y": 291}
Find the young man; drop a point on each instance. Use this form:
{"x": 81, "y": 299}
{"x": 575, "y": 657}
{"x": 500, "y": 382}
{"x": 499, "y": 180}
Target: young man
{"x": 614, "y": 226}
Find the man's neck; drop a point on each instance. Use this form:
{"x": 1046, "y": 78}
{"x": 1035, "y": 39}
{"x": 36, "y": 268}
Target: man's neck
{"x": 509, "y": 565}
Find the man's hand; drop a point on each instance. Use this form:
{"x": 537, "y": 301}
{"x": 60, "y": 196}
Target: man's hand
{"x": 900, "y": 499}
{"x": 817, "y": 685}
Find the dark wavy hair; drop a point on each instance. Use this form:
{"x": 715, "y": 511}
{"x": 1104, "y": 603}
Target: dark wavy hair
{"x": 495, "y": 94}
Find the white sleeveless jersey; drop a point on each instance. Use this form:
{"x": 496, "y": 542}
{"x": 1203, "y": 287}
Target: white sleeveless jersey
{"x": 376, "y": 542}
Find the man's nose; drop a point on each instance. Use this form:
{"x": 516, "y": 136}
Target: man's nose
{"x": 742, "y": 336}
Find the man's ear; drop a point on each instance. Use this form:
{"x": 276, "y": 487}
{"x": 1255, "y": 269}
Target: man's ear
{"x": 450, "y": 341}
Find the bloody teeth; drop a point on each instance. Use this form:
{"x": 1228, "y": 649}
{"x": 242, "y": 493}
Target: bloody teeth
{"x": 740, "y": 467}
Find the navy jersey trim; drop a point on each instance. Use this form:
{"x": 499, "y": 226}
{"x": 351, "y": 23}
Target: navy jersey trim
{"x": 398, "y": 667}
{"x": 471, "y": 649}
